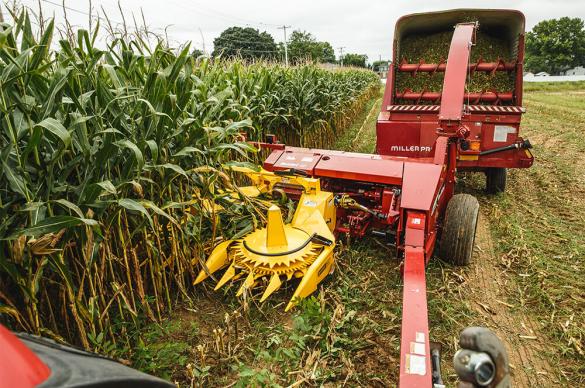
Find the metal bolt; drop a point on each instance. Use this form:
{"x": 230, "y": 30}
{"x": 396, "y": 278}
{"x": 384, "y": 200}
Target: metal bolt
{"x": 464, "y": 359}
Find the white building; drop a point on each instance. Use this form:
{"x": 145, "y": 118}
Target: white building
{"x": 383, "y": 69}
{"x": 578, "y": 70}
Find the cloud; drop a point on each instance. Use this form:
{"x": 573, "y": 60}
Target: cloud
{"x": 361, "y": 27}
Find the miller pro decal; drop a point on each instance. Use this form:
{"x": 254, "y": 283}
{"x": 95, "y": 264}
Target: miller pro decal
{"x": 412, "y": 148}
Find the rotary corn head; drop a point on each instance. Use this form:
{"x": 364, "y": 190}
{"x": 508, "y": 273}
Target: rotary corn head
{"x": 301, "y": 249}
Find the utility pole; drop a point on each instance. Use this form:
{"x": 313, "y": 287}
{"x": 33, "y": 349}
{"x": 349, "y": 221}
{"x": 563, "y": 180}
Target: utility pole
{"x": 283, "y": 28}
{"x": 341, "y": 54}
{"x": 202, "y": 41}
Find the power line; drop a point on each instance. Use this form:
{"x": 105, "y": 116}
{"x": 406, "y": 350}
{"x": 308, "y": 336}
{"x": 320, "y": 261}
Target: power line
{"x": 245, "y": 20}
{"x": 63, "y": 6}
{"x": 220, "y": 15}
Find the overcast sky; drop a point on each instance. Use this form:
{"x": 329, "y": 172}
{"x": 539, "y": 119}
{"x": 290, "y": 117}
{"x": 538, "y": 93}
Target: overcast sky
{"x": 363, "y": 27}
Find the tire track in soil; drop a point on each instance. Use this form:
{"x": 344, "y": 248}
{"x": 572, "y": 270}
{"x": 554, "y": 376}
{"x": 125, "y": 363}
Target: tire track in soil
{"x": 488, "y": 282}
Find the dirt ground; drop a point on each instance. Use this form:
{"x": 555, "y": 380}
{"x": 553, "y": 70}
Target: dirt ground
{"x": 488, "y": 282}
{"x": 525, "y": 283}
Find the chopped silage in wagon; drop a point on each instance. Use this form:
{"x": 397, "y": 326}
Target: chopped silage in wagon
{"x": 434, "y": 48}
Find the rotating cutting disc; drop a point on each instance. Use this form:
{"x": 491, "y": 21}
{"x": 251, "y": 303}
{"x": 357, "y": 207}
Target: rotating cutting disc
{"x": 274, "y": 251}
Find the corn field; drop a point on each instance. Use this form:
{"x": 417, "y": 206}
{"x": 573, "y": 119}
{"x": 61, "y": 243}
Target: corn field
{"x": 109, "y": 157}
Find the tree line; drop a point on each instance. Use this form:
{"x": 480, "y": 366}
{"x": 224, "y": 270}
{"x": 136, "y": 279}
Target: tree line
{"x": 250, "y": 43}
{"x": 552, "y": 46}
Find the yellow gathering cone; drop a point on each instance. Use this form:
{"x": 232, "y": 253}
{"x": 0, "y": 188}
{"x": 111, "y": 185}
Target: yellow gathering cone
{"x": 229, "y": 273}
{"x": 247, "y": 285}
{"x": 274, "y": 285}
{"x": 275, "y": 236}
{"x": 217, "y": 260}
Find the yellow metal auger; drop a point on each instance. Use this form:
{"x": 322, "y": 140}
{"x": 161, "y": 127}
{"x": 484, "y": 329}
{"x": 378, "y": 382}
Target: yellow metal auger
{"x": 301, "y": 249}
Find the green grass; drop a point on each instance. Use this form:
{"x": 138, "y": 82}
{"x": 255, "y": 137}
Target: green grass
{"x": 359, "y": 137}
{"x": 554, "y": 86}
{"x": 540, "y": 225}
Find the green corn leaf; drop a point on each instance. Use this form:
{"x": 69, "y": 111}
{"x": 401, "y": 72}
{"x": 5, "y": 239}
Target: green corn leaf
{"x": 58, "y": 82}
{"x": 15, "y": 181}
{"x": 71, "y": 206}
{"x": 175, "y": 168}
{"x": 16, "y": 68}
{"x": 4, "y": 34}
{"x": 135, "y": 206}
{"x": 153, "y": 149}
{"x": 135, "y": 150}
{"x": 111, "y": 72}
{"x": 37, "y": 210}
{"x": 112, "y": 130}
{"x": 233, "y": 163}
{"x": 186, "y": 151}
{"x": 108, "y": 187}
{"x": 57, "y": 129}
{"x": 55, "y": 224}
{"x": 153, "y": 111}
{"x": 160, "y": 212}
{"x": 42, "y": 50}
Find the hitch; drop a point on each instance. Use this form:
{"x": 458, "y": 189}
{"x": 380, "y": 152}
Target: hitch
{"x": 292, "y": 172}
{"x": 482, "y": 360}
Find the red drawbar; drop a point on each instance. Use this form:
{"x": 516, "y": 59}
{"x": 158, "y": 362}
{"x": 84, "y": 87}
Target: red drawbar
{"x": 19, "y": 366}
{"x": 415, "y": 357}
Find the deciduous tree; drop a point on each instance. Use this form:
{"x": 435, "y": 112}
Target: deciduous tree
{"x": 555, "y": 45}
{"x": 357, "y": 60}
{"x": 303, "y": 45}
{"x": 248, "y": 43}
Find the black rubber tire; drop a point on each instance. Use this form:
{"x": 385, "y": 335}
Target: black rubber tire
{"x": 495, "y": 181}
{"x": 459, "y": 227}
